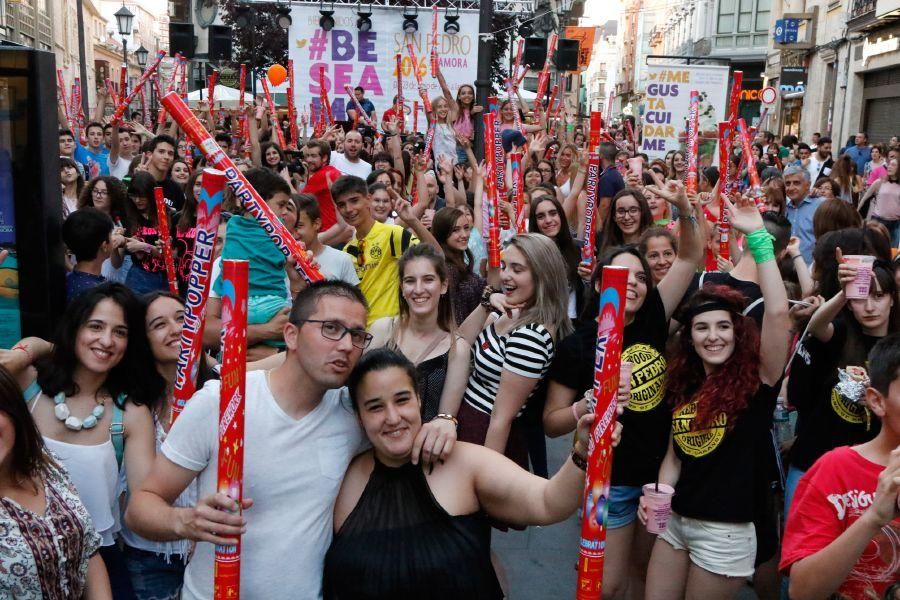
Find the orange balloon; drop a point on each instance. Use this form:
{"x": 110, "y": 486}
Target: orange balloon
{"x": 277, "y": 74}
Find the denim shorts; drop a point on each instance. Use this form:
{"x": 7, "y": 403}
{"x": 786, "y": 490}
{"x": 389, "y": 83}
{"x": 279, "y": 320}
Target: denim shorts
{"x": 152, "y": 576}
{"x": 623, "y": 505}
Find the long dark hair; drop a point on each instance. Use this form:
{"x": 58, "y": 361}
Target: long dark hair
{"x": 29, "y": 458}
{"x": 188, "y": 216}
{"x": 262, "y": 156}
{"x": 612, "y": 232}
{"x": 729, "y": 388}
{"x": 131, "y": 377}
{"x": 141, "y": 184}
{"x": 445, "y": 318}
{"x": 115, "y": 190}
{"x": 442, "y": 225}
{"x": 592, "y": 303}
{"x": 854, "y": 351}
{"x": 563, "y": 238}
{"x": 204, "y": 373}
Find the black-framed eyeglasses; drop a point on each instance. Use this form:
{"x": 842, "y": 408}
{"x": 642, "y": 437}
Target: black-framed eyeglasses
{"x": 334, "y": 331}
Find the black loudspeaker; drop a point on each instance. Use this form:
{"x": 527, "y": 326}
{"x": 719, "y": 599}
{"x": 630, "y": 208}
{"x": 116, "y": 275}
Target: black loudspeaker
{"x": 535, "y": 52}
{"x": 566, "y": 58}
{"x": 181, "y": 39}
{"x": 219, "y": 43}
{"x": 32, "y": 278}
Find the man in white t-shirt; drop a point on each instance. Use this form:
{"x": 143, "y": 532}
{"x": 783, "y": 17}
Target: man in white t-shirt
{"x": 121, "y": 153}
{"x": 299, "y": 437}
{"x": 349, "y": 163}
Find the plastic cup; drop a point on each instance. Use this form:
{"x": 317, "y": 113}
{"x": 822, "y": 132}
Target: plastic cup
{"x": 859, "y": 288}
{"x": 636, "y": 165}
{"x": 659, "y": 506}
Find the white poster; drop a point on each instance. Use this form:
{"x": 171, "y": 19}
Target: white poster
{"x": 664, "y": 111}
{"x": 367, "y": 59}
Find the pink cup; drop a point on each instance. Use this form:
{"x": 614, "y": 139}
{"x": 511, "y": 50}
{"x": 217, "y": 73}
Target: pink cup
{"x": 859, "y": 288}
{"x": 636, "y": 165}
{"x": 659, "y": 506}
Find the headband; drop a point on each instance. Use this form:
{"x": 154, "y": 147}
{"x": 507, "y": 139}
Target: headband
{"x": 705, "y": 307}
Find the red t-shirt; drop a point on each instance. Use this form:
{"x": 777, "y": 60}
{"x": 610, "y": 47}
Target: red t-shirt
{"x": 830, "y": 497}
{"x": 318, "y": 186}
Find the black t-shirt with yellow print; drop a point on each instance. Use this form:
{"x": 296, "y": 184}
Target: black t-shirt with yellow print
{"x": 825, "y": 418}
{"x": 647, "y": 419}
{"x": 720, "y": 465}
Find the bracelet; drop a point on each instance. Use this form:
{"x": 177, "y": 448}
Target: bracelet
{"x": 800, "y": 256}
{"x": 27, "y": 352}
{"x": 575, "y": 412}
{"x": 761, "y": 246}
{"x": 579, "y": 461}
{"x": 448, "y": 418}
{"x": 485, "y": 301}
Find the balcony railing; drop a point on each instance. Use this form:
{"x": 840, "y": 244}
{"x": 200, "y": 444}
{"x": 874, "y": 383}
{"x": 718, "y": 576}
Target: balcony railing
{"x": 861, "y": 7}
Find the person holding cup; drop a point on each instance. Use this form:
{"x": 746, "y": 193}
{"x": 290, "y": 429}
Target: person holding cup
{"x": 841, "y": 333}
{"x": 723, "y": 381}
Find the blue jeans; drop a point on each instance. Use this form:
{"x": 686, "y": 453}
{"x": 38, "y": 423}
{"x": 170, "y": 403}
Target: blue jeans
{"x": 114, "y": 560}
{"x": 143, "y": 282}
{"x": 790, "y": 485}
{"x": 893, "y": 228}
{"x": 152, "y": 577}
{"x": 623, "y": 505}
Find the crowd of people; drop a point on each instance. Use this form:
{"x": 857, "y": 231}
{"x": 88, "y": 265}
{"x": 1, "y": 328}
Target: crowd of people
{"x": 398, "y": 411}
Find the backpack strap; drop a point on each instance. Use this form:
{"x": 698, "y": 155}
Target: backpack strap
{"x": 117, "y": 429}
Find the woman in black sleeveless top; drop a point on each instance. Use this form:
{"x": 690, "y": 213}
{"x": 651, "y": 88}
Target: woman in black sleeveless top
{"x": 405, "y": 531}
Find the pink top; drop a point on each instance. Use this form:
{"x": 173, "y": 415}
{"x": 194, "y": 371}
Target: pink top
{"x": 887, "y": 201}
{"x": 877, "y": 172}
{"x": 464, "y": 126}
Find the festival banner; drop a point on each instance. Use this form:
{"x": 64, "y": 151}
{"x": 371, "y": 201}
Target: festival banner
{"x": 585, "y": 37}
{"x": 667, "y": 102}
{"x": 607, "y": 368}
{"x": 367, "y": 58}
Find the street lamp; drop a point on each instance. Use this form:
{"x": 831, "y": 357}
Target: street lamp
{"x": 124, "y": 18}
{"x": 141, "y": 54}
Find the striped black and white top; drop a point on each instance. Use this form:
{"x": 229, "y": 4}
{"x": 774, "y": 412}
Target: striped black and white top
{"x": 526, "y": 351}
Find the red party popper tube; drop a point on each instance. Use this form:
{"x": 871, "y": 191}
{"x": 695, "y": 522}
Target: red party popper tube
{"x": 693, "y": 143}
{"x": 123, "y": 105}
{"x": 77, "y": 110}
{"x": 499, "y": 156}
{"x": 415, "y": 110}
{"x": 323, "y": 96}
{"x": 607, "y": 366}
{"x": 594, "y": 139}
{"x": 491, "y": 198}
{"x": 61, "y": 85}
{"x": 735, "y": 100}
{"x": 426, "y": 102}
{"x": 143, "y": 95}
{"x": 553, "y": 92}
{"x": 123, "y": 81}
{"x": 209, "y": 210}
{"x": 429, "y": 139}
{"x": 359, "y": 109}
{"x": 722, "y": 189}
{"x": 609, "y": 104}
{"x": 292, "y": 106}
{"x": 242, "y": 116}
{"x": 211, "y": 81}
{"x": 162, "y": 219}
{"x": 520, "y": 46}
{"x": 399, "y": 60}
{"x": 755, "y": 183}
{"x": 242, "y": 189}
{"x": 273, "y": 115}
{"x": 111, "y": 92}
{"x": 434, "y": 34}
{"x": 230, "y": 474}
{"x": 590, "y": 208}
{"x": 544, "y": 77}
{"x": 518, "y": 188}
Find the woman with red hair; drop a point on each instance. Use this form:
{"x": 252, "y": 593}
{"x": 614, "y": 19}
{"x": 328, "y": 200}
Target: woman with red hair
{"x": 724, "y": 379}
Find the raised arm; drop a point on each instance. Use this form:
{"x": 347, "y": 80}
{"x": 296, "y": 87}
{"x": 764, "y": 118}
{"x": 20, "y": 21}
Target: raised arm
{"x": 775, "y": 338}
{"x": 404, "y": 210}
{"x": 690, "y": 245}
{"x": 454, "y": 107}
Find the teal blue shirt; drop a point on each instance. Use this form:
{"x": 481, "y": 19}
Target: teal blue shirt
{"x": 246, "y": 240}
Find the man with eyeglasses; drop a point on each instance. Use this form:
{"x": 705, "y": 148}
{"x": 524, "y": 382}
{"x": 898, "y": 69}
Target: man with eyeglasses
{"x": 300, "y": 435}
